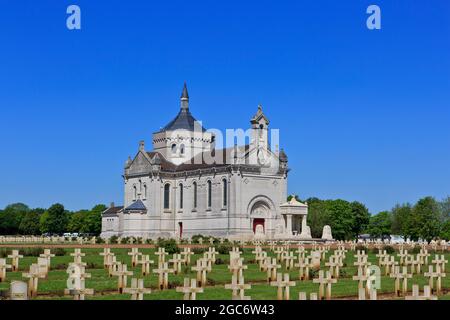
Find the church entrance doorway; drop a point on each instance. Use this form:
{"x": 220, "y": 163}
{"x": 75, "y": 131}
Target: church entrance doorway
{"x": 258, "y": 222}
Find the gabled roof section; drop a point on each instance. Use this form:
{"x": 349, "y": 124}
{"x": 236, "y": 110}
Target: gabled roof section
{"x": 138, "y": 205}
{"x": 259, "y": 115}
{"x": 112, "y": 211}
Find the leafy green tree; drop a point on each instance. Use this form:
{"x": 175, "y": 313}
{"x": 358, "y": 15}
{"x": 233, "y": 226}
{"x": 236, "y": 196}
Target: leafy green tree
{"x": 445, "y": 231}
{"x": 30, "y": 222}
{"x": 444, "y": 207}
{"x": 11, "y": 216}
{"x": 340, "y": 218}
{"x": 94, "y": 219}
{"x": 54, "y": 220}
{"x": 317, "y": 216}
{"x": 400, "y": 217}
{"x": 361, "y": 218}
{"x": 87, "y": 221}
{"x": 380, "y": 225}
{"x": 425, "y": 219}
{"x": 289, "y": 198}
{"x": 77, "y": 221}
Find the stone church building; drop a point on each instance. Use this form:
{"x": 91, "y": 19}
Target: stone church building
{"x": 185, "y": 186}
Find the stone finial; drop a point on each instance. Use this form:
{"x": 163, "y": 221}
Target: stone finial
{"x": 142, "y": 145}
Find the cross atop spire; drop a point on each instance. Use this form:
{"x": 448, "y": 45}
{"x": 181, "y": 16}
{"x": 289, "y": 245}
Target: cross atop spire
{"x": 184, "y": 98}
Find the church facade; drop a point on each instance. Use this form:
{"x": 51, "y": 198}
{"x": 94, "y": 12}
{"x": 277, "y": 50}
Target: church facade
{"x": 186, "y": 186}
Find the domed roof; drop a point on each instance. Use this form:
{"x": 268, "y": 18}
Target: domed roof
{"x": 184, "y": 119}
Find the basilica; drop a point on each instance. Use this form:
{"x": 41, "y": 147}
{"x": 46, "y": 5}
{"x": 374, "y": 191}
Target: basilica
{"x": 186, "y": 185}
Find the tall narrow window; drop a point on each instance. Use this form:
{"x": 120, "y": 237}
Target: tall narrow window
{"x": 167, "y": 196}
{"x": 182, "y": 149}
{"x": 195, "y": 194}
{"x": 181, "y": 195}
{"x": 134, "y": 193}
{"x": 224, "y": 193}
{"x": 145, "y": 191}
{"x": 209, "y": 194}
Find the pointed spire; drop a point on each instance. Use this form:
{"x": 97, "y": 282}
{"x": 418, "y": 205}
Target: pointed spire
{"x": 184, "y": 94}
{"x": 185, "y": 98}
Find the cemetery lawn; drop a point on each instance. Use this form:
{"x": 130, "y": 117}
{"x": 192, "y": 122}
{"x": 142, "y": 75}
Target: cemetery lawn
{"x": 106, "y": 288}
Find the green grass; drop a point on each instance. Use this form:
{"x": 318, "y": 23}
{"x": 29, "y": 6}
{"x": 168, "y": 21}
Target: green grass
{"x": 106, "y": 287}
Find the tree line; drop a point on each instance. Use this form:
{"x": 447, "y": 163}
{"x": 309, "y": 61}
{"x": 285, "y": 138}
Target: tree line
{"x": 19, "y": 219}
{"x": 427, "y": 219}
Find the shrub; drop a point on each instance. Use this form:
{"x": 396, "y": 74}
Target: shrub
{"x": 196, "y": 237}
{"x": 198, "y": 250}
{"x": 31, "y": 252}
{"x": 99, "y": 240}
{"x": 169, "y": 245}
{"x": 113, "y": 239}
{"x": 93, "y": 265}
{"x": 223, "y": 248}
{"x": 60, "y": 266}
{"x": 59, "y": 252}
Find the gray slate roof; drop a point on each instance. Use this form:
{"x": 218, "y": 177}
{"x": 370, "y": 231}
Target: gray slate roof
{"x": 138, "y": 205}
{"x": 183, "y": 120}
{"x": 112, "y": 211}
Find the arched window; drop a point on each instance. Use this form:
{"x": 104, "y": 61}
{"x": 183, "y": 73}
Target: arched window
{"x": 195, "y": 194}
{"x": 224, "y": 192}
{"x": 209, "y": 193}
{"x": 134, "y": 193}
{"x": 174, "y": 148}
{"x": 181, "y": 195}
{"x": 182, "y": 149}
{"x": 145, "y": 191}
{"x": 167, "y": 196}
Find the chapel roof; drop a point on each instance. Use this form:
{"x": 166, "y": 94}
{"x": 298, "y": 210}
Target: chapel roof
{"x": 112, "y": 211}
{"x": 184, "y": 119}
{"x": 200, "y": 161}
{"x": 138, "y": 205}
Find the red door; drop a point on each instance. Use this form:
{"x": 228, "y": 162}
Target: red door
{"x": 256, "y": 222}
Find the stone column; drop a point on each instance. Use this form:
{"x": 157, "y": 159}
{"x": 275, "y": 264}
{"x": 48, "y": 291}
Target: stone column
{"x": 303, "y": 224}
{"x": 289, "y": 224}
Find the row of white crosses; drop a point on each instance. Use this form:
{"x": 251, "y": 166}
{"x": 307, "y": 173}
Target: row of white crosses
{"x": 415, "y": 264}
{"x": 37, "y": 271}
{"x": 116, "y": 268}
{"x": 304, "y": 263}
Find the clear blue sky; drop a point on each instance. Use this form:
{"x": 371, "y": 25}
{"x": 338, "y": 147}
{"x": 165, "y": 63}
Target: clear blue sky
{"x": 363, "y": 115}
